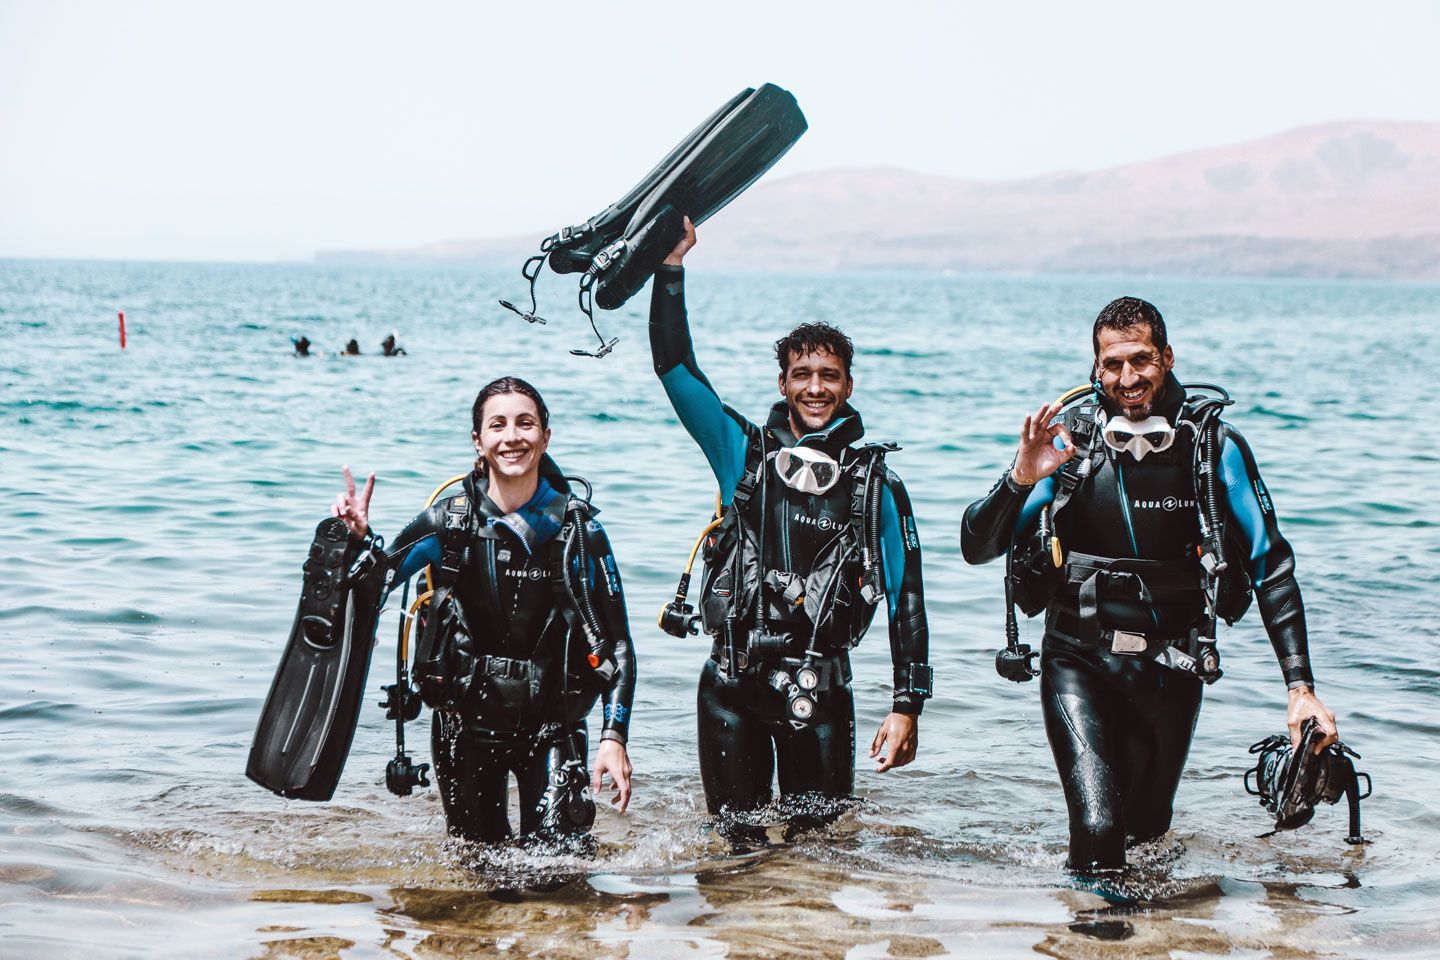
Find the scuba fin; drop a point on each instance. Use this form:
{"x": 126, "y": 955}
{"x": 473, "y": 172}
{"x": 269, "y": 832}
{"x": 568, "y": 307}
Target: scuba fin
{"x": 1291, "y": 783}
{"x": 573, "y": 248}
{"x": 309, "y": 718}
{"x": 620, "y": 248}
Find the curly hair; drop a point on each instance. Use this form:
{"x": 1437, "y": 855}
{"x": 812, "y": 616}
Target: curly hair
{"x": 813, "y": 337}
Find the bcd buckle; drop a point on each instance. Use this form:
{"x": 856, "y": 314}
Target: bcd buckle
{"x": 1128, "y": 644}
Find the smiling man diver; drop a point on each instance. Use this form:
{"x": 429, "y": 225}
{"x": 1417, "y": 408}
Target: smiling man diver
{"x": 1133, "y": 560}
{"x": 815, "y": 531}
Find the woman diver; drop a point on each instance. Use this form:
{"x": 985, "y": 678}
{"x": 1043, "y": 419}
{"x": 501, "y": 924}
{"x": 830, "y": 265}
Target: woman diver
{"x": 524, "y": 630}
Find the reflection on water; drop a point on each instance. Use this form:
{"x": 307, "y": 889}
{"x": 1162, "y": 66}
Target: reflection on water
{"x": 156, "y": 506}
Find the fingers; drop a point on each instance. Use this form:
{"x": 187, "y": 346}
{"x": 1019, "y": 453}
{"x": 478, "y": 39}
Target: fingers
{"x": 890, "y": 738}
{"x": 1060, "y": 430}
{"x": 1037, "y": 426}
{"x": 677, "y": 256}
{"x": 891, "y": 759}
{"x": 1326, "y": 720}
{"x": 349, "y": 480}
{"x": 369, "y": 489}
{"x": 621, "y": 779}
{"x": 595, "y": 776}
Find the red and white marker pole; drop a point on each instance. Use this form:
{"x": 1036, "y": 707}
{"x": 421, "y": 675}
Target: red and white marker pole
{"x": 122, "y": 329}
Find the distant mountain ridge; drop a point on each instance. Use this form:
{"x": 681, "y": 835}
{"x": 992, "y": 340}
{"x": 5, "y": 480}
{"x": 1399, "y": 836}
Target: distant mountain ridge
{"x": 1358, "y": 198}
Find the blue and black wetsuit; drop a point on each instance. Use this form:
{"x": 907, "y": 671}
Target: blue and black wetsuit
{"x": 518, "y": 682}
{"x": 1120, "y": 726}
{"x": 743, "y": 730}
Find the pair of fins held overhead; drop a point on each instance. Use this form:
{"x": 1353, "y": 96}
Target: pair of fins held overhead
{"x": 309, "y": 718}
{"x": 622, "y": 246}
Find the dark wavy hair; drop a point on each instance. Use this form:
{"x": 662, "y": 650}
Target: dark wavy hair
{"x": 813, "y": 337}
{"x": 499, "y": 387}
{"x": 1127, "y": 313}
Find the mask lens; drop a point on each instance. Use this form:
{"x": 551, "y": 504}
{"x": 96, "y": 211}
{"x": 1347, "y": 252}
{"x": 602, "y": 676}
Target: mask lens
{"x": 806, "y": 470}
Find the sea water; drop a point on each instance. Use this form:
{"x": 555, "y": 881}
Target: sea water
{"x": 156, "y": 504}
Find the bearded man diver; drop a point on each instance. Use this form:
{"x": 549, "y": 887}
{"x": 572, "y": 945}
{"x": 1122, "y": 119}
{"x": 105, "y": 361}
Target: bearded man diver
{"x": 814, "y": 530}
{"x": 1132, "y": 574}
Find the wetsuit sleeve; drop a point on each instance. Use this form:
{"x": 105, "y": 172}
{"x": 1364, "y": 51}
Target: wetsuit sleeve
{"x": 417, "y": 546}
{"x": 992, "y": 522}
{"x": 1270, "y": 561}
{"x": 904, "y": 590}
{"x": 723, "y": 435}
{"x": 609, "y": 599}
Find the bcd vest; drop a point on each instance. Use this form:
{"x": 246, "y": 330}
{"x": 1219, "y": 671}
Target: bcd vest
{"x": 750, "y": 584}
{"x": 505, "y": 693}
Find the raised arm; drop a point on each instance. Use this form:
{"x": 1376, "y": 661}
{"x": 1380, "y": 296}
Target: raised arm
{"x": 723, "y": 435}
{"x": 1015, "y": 501}
{"x": 418, "y": 544}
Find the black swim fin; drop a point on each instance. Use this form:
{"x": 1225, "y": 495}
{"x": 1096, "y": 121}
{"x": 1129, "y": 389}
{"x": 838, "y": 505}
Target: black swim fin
{"x": 746, "y": 143}
{"x": 309, "y": 719}
{"x": 620, "y": 248}
{"x": 573, "y": 249}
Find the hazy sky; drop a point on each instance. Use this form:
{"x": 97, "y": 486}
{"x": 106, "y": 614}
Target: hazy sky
{"x": 259, "y": 130}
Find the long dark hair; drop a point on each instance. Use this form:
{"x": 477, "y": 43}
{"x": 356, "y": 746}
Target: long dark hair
{"x": 499, "y": 387}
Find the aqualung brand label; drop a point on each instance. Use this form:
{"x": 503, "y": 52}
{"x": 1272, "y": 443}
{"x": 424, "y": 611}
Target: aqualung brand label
{"x": 616, "y": 712}
{"x": 822, "y": 522}
{"x": 1262, "y": 495}
{"x": 612, "y": 576}
{"x": 1168, "y": 504}
{"x": 912, "y": 536}
{"x": 526, "y": 573}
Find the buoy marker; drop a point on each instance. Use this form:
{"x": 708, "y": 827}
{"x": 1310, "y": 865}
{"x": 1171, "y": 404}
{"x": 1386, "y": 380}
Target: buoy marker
{"x": 122, "y": 329}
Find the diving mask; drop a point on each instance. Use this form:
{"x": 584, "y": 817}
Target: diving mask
{"x": 1138, "y": 438}
{"x": 806, "y": 469}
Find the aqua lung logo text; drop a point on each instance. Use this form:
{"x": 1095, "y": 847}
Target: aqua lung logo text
{"x": 527, "y": 573}
{"x": 1168, "y": 504}
{"x": 1263, "y": 496}
{"x": 821, "y": 522}
{"x": 912, "y": 538}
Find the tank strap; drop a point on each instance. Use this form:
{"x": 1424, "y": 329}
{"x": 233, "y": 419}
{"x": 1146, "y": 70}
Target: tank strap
{"x": 750, "y": 478}
{"x": 1083, "y": 431}
{"x": 454, "y": 541}
{"x": 572, "y": 600}
{"x": 864, "y": 525}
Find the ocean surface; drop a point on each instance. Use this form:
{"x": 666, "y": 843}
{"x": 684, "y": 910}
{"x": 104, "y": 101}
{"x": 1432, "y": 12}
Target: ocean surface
{"x": 156, "y": 505}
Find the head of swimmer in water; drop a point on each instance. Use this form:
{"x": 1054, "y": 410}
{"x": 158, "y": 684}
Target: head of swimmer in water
{"x": 1132, "y": 356}
{"x": 815, "y": 376}
{"x": 511, "y": 428}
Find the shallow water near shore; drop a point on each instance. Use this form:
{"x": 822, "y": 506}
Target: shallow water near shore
{"x": 157, "y": 504}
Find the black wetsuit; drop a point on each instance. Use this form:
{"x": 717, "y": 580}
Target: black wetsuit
{"x": 1120, "y": 725}
{"x": 744, "y": 731}
{"x": 522, "y": 710}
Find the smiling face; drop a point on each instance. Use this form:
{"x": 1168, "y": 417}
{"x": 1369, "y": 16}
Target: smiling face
{"x": 511, "y": 439}
{"x": 1131, "y": 370}
{"x": 814, "y": 386}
